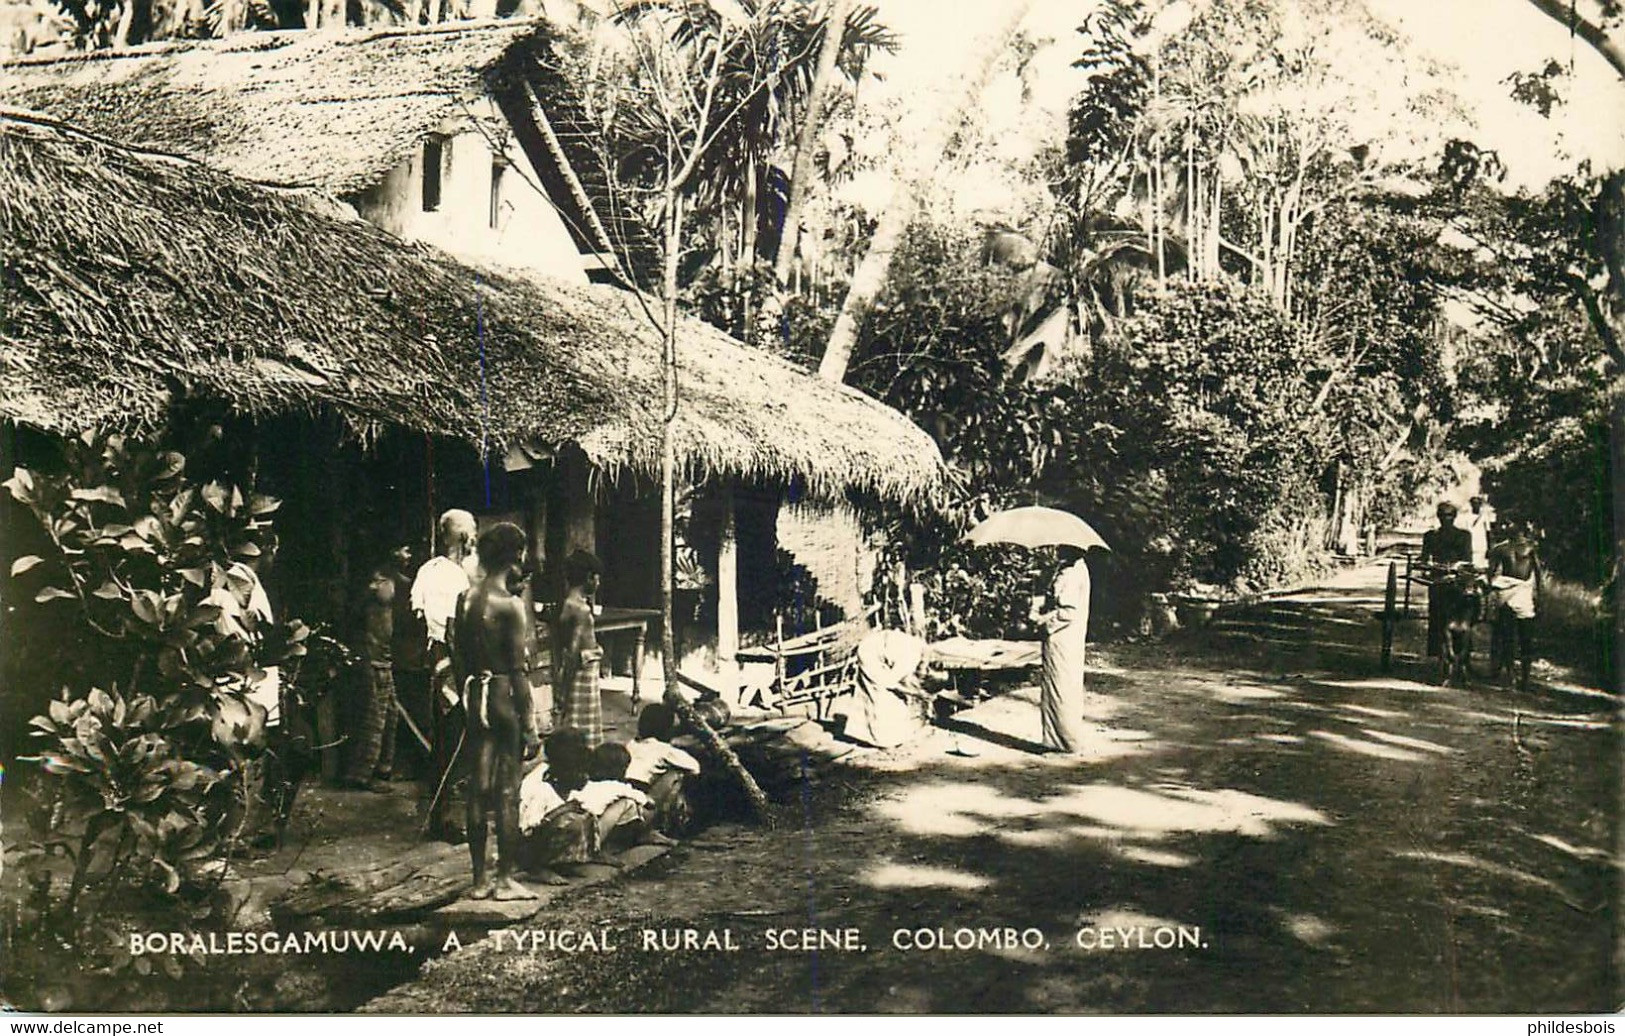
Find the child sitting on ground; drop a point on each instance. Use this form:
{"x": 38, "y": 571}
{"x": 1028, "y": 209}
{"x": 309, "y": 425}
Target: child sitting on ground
{"x": 623, "y": 812}
{"x": 553, "y": 833}
{"x": 661, "y": 770}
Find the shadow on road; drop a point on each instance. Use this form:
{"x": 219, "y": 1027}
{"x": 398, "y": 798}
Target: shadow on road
{"x": 1319, "y": 835}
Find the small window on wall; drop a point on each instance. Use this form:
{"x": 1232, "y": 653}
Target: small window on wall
{"x": 497, "y": 169}
{"x": 434, "y": 162}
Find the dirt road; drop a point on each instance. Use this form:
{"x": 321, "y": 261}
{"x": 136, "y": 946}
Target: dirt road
{"x": 1311, "y": 836}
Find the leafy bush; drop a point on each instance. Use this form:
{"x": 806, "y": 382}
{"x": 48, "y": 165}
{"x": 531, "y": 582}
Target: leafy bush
{"x": 1208, "y": 388}
{"x": 120, "y": 774}
{"x": 1189, "y": 438}
{"x": 149, "y": 566}
{"x": 986, "y": 592}
{"x": 1573, "y": 628}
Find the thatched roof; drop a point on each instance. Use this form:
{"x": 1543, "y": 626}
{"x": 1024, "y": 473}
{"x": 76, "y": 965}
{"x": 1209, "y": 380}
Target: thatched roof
{"x": 130, "y": 279}
{"x": 330, "y": 111}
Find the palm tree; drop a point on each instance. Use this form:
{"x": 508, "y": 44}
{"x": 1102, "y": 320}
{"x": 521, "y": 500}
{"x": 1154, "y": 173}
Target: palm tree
{"x": 1094, "y": 268}
{"x": 870, "y": 276}
{"x": 777, "y": 71}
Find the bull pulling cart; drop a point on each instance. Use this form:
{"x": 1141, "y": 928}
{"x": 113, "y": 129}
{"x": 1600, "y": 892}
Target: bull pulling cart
{"x": 1462, "y": 602}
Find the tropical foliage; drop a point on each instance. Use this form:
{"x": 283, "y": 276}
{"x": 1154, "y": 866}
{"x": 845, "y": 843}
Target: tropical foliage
{"x": 151, "y": 739}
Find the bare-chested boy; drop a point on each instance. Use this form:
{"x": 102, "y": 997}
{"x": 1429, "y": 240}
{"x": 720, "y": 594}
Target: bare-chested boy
{"x": 1515, "y": 585}
{"x": 489, "y": 643}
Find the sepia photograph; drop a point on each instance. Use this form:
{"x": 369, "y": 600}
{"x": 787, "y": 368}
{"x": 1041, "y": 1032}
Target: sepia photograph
{"x": 782, "y": 507}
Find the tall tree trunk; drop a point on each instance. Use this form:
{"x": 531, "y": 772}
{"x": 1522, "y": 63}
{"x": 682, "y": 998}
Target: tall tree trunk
{"x": 870, "y": 276}
{"x": 1594, "y": 35}
{"x": 1193, "y": 231}
{"x": 807, "y": 138}
{"x": 121, "y": 31}
{"x": 714, "y": 746}
{"x": 1158, "y": 239}
{"x": 1336, "y": 518}
{"x": 749, "y": 230}
{"x": 1215, "y": 223}
{"x": 668, "y": 444}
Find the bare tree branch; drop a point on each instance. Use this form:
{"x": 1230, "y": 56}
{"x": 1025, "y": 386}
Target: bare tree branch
{"x": 1593, "y": 34}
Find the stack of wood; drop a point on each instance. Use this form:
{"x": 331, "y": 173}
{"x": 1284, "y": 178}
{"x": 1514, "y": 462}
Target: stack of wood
{"x": 785, "y": 754}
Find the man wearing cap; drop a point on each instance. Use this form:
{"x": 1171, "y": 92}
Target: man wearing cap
{"x": 1447, "y": 545}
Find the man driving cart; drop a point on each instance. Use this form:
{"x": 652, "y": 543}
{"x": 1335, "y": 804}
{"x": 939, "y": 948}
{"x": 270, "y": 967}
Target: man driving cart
{"x": 1442, "y": 549}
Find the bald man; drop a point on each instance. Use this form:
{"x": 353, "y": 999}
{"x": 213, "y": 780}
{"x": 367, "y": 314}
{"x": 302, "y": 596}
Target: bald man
{"x": 440, "y": 582}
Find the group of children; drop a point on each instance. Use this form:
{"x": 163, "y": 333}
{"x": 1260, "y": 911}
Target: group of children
{"x": 579, "y": 805}
{"x": 464, "y": 627}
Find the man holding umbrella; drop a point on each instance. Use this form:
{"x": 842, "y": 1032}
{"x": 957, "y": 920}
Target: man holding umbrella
{"x": 1065, "y": 621}
{"x": 1066, "y": 633}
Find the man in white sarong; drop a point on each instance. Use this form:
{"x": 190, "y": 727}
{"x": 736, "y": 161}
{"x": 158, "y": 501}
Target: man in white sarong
{"x": 1515, "y": 584}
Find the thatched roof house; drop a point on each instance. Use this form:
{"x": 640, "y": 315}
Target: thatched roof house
{"x": 132, "y": 279}
{"x": 348, "y": 114}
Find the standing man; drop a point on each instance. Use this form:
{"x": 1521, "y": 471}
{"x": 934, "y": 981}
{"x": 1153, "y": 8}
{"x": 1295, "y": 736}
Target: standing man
{"x": 1515, "y": 585}
{"x": 1066, "y": 635}
{"x": 576, "y": 654}
{"x": 373, "y": 754}
{"x": 490, "y": 644}
{"x": 1445, "y": 546}
{"x": 439, "y": 583}
{"x": 409, "y": 650}
{"x": 1479, "y": 522}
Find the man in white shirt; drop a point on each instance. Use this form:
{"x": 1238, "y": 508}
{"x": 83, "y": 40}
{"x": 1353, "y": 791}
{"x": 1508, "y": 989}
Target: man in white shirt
{"x": 446, "y": 576}
{"x": 440, "y": 582}
{"x": 661, "y": 769}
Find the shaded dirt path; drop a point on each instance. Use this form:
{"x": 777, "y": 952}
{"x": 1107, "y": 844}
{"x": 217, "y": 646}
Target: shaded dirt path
{"x": 1345, "y": 841}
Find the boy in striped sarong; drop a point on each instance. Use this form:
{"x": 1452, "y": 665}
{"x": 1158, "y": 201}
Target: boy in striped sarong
{"x": 576, "y": 653}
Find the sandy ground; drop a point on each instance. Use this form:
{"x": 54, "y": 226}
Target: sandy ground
{"x": 1321, "y": 836}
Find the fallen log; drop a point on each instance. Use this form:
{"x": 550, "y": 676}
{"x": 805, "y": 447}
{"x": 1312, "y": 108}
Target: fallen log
{"x": 401, "y": 892}
{"x": 717, "y": 748}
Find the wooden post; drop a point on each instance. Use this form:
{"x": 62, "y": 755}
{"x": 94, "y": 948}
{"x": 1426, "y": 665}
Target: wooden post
{"x": 337, "y": 482}
{"x": 1389, "y": 598}
{"x": 1407, "y": 582}
{"x": 728, "y": 594}
{"x": 779, "y": 669}
{"x": 580, "y": 515}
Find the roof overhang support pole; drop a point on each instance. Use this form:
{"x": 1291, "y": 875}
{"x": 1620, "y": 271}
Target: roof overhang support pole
{"x": 580, "y": 532}
{"x": 728, "y": 593}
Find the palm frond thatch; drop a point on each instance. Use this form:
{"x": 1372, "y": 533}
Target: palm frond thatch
{"x": 334, "y": 112}
{"x": 129, "y": 280}
{"x": 330, "y": 111}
